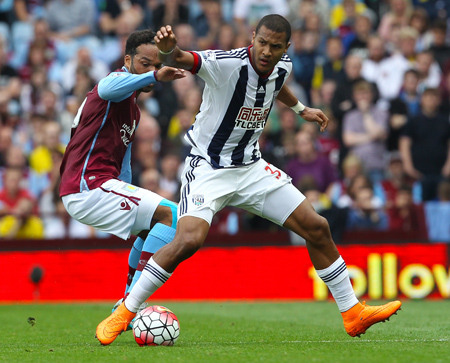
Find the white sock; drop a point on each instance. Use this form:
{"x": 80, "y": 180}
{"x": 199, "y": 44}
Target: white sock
{"x": 336, "y": 278}
{"x": 153, "y": 277}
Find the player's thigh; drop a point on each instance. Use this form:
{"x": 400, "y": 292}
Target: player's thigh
{"x": 268, "y": 192}
{"x": 204, "y": 190}
{"x": 116, "y": 207}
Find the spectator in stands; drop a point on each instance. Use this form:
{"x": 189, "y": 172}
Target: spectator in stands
{"x": 439, "y": 46}
{"x": 398, "y": 15}
{"x": 208, "y": 34}
{"x": 332, "y": 67}
{"x": 363, "y": 214}
{"x": 169, "y": 181}
{"x": 393, "y": 68}
{"x": 365, "y": 129}
{"x": 429, "y": 70}
{"x": 9, "y": 79}
{"x": 246, "y": 13}
{"x": 18, "y": 209}
{"x": 304, "y": 61}
{"x": 225, "y": 38}
{"x": 351, "y": 167}
{"x": 301, "y": 10}
{"x": 186, "y": 36}
{"x": 403, "y": 214}
{"x": 437, "y": 214}
{"x": 97, "y": 68}
{"x": 420, "y": 21}
{"x": 113, "y": 12}
{"x": 425, "y": 145}
{"x": 309, "y": 162}
{"x": 356, "y": 41}
{"x": 405, "y": 106}
{"x": 396, "y": 179}
{"x": 343, "y": 15}
{"x": 41, "y": 157}
{"x": 376, "y": 54}
{"x": 170, "y": 12}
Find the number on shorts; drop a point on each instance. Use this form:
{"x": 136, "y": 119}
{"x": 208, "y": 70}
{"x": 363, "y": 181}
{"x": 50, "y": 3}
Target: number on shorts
{"x": 273, "y": 172}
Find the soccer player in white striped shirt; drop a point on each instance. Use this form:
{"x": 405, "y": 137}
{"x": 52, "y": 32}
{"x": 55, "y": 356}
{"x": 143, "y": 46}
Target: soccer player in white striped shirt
{"x": 225, "y": 168}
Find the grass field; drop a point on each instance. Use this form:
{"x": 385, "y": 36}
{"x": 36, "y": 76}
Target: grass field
{"x": 229, "y": 332}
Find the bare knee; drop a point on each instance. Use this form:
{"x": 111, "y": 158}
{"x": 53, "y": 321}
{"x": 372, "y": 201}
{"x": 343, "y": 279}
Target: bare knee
{"x": 318, "y": 231}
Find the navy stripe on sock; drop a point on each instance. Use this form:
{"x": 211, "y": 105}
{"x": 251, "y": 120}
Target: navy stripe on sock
{"x": 156, "y": 273}
{"x": 335, "y": 273}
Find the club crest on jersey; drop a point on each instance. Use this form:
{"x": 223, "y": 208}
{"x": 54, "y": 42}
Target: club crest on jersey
{"x": 198, "y": 199}
{"x": 251, "y": 118}
{"x": 208, "y": 55}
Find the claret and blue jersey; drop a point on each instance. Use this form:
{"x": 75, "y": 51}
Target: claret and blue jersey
{"x": 102, "y": 133}
{"x": 235, "y": 108}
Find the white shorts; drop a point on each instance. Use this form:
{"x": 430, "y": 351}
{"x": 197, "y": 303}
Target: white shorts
{"x": 116, "y": 207}
{"x": 259, "y": 188}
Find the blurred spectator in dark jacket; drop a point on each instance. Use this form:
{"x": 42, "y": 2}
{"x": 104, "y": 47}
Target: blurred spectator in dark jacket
{"x": 425, "y": 145}
{"x": 439, "y": 47}
{"x": 405, "y": 106}
{"x": 404, "y": 215}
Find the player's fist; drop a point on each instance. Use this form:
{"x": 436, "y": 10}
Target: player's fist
{"x": 166, "y": 74}
{"x": 165, "y": 39}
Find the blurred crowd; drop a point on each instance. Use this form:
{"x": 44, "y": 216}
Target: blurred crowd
{"x": 380, "y": 70}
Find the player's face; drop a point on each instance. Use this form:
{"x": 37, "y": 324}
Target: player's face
{"x": 145, "y": 60}
{"x": 268, "y": 48}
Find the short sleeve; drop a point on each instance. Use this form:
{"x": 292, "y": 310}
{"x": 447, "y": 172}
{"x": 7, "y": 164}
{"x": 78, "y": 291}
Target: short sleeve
{"x": 215, "y": 66}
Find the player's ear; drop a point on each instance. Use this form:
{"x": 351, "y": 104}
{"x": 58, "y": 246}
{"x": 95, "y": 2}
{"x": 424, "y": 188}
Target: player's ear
{"x": 253, "y": 38}
{"x": 127, "y": 61}
{"x": 287, "y": 47}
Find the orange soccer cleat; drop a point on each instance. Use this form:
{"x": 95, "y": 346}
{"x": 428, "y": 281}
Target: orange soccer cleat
{"x": 113, "y": 325}
{"x": 361, "y": 316}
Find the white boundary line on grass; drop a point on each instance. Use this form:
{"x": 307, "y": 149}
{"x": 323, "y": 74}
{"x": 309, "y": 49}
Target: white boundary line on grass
{"x": 368, "y": 341}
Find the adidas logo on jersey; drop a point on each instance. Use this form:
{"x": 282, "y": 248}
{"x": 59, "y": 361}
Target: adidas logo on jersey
{"x": 261, "y": 90}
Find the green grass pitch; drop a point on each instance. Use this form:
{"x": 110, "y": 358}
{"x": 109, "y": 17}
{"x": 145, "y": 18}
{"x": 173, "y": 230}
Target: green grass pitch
{"x": 229, "y": 332}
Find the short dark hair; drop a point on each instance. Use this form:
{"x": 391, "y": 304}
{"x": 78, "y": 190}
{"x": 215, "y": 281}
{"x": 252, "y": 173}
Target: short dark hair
{"x": 276, "y": 23}
{"x": 137, "y": 38}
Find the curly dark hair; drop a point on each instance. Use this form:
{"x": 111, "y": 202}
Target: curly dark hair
{"x": 137, "y": 38}
{"x": 276, "y": 23}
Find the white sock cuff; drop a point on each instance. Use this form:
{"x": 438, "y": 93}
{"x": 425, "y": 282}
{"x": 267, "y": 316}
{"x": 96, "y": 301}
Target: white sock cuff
{"x": 155, "y": 273}
{"x": 334, "y": 273}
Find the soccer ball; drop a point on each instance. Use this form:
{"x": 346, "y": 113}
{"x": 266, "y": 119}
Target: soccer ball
{"x": 156, "y": 325}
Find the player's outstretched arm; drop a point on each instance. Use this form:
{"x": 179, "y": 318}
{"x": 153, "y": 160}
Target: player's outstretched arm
{"x": 169, "y": 53}
{"x": 117, "y": 86}
{"x": 307, "y": 113}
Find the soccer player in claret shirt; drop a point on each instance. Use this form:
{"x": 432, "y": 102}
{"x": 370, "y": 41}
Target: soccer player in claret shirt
{"x": 225, "y": 168}
{"x": 96, "y": 170}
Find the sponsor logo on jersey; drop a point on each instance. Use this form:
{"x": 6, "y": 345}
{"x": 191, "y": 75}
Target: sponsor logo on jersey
{"x": 260, "y": 90}
{"x": 124, "y": 205}
{"x": 117, "y": 74}
{"x": 198, "y": 199}
{"x": 130, "y": 188}
{"x": 126, "y": 132}
{"x": 251, "y": 118}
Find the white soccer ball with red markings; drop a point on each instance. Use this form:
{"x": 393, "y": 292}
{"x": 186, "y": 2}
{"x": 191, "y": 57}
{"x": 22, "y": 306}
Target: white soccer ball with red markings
{"x": 156, "y": 325}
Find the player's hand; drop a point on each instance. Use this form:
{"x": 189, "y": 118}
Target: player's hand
{"x": 315, "y": 115}
{"x": 165, "y": 39}
{"x": 166, "y": 74}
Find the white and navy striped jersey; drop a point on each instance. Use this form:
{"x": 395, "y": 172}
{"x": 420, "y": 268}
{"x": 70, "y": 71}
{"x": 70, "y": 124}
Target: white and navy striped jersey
{"x": 235, "y": 107}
